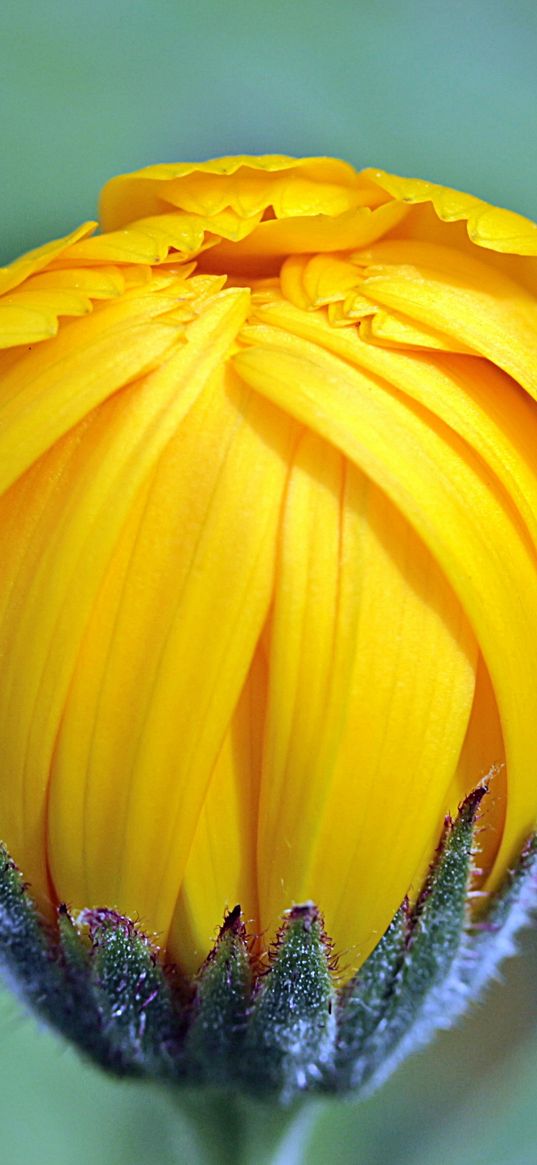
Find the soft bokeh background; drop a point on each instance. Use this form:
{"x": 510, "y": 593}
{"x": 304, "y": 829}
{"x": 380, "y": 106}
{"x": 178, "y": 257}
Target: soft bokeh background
{"x": 446, "y": 91}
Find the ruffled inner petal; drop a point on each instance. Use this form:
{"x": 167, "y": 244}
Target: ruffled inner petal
{"x": 40, "y": 258}
{"x": 488, "y": 226}
{"x": 483, "y": 309}
{"x": 31, "y": 313}
{"x": 246, "y": 184}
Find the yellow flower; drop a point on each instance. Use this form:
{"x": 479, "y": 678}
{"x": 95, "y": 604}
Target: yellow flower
{"x": 268, "y": 529}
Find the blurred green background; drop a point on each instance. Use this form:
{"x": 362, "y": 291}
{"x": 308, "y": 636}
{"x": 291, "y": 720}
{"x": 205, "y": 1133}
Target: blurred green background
{"x": 443, "y": 91}
{"x": 470, "y": 1099}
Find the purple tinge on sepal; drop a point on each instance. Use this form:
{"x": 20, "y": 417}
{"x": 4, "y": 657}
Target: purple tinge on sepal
{"x": 280, "y": 1026}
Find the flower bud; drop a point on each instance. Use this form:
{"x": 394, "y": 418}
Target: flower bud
{"x": 268, "y": 594}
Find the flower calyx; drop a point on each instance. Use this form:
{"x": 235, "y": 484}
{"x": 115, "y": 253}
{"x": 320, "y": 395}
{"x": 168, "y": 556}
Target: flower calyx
{"x": 279, "y": 1028}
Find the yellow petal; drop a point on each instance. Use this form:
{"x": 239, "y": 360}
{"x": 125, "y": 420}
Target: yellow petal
{"x": 393, "y": 330}
{"x": 361, "y": 722}
{"x": 474, "y": 398}
{"x": 310, "y": 282}
{"x": 145, "y": 241}
{"x": 482, "y": 308}
{"x": 75, "y": 502}
{"x": 165, "y": 656}
{"x": 30, "y": 315}
{"x": 221, "y": 871}
{"x": 262, "y": 251}
{"x": 93, "y": 282}
{"x": 41, "y": 257}
{"x": 483, "y": 759}
{"x": 311, "y": 203}
{"x": 51, "y": 387}
{"x": 459, "y": 511}
{"x": 247, "y": 184}
{"x": 488, "y": 226}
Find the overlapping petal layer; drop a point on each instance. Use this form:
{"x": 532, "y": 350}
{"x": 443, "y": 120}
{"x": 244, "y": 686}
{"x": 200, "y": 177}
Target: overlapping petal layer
{"x": 268, "y": 526}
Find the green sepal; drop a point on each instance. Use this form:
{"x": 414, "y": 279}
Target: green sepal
{"x": 424, "y": 988}
{"x": 290, "y": 1041}
{"x": 27, "y": 955}
{"x": 219, "y": 1016}
{"x": 140, "y": 1017}
{"x": 81, "y": 1020}
{"x": 363, "y": 1003}
{"x": 277, "y": 1030}
{"x": 493, "y": 931}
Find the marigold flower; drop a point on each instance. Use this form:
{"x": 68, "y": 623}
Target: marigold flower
{"x": 268, "y": 529}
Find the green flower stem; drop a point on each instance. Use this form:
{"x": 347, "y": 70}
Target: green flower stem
{"x": 230, "y": 1129}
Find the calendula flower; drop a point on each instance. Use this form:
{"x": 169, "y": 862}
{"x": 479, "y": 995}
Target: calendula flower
{"x": 268, "y": 531}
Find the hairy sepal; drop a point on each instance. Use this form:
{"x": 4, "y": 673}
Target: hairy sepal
{"x": 220, "y": 1009}
{"x": 280, "y": 1028}
{"x": 432, "y": 942}
{"x": 290, "y": 1041}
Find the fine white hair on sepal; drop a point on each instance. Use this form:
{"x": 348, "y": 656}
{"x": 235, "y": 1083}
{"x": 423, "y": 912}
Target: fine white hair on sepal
{"x": 484, "y": 944}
